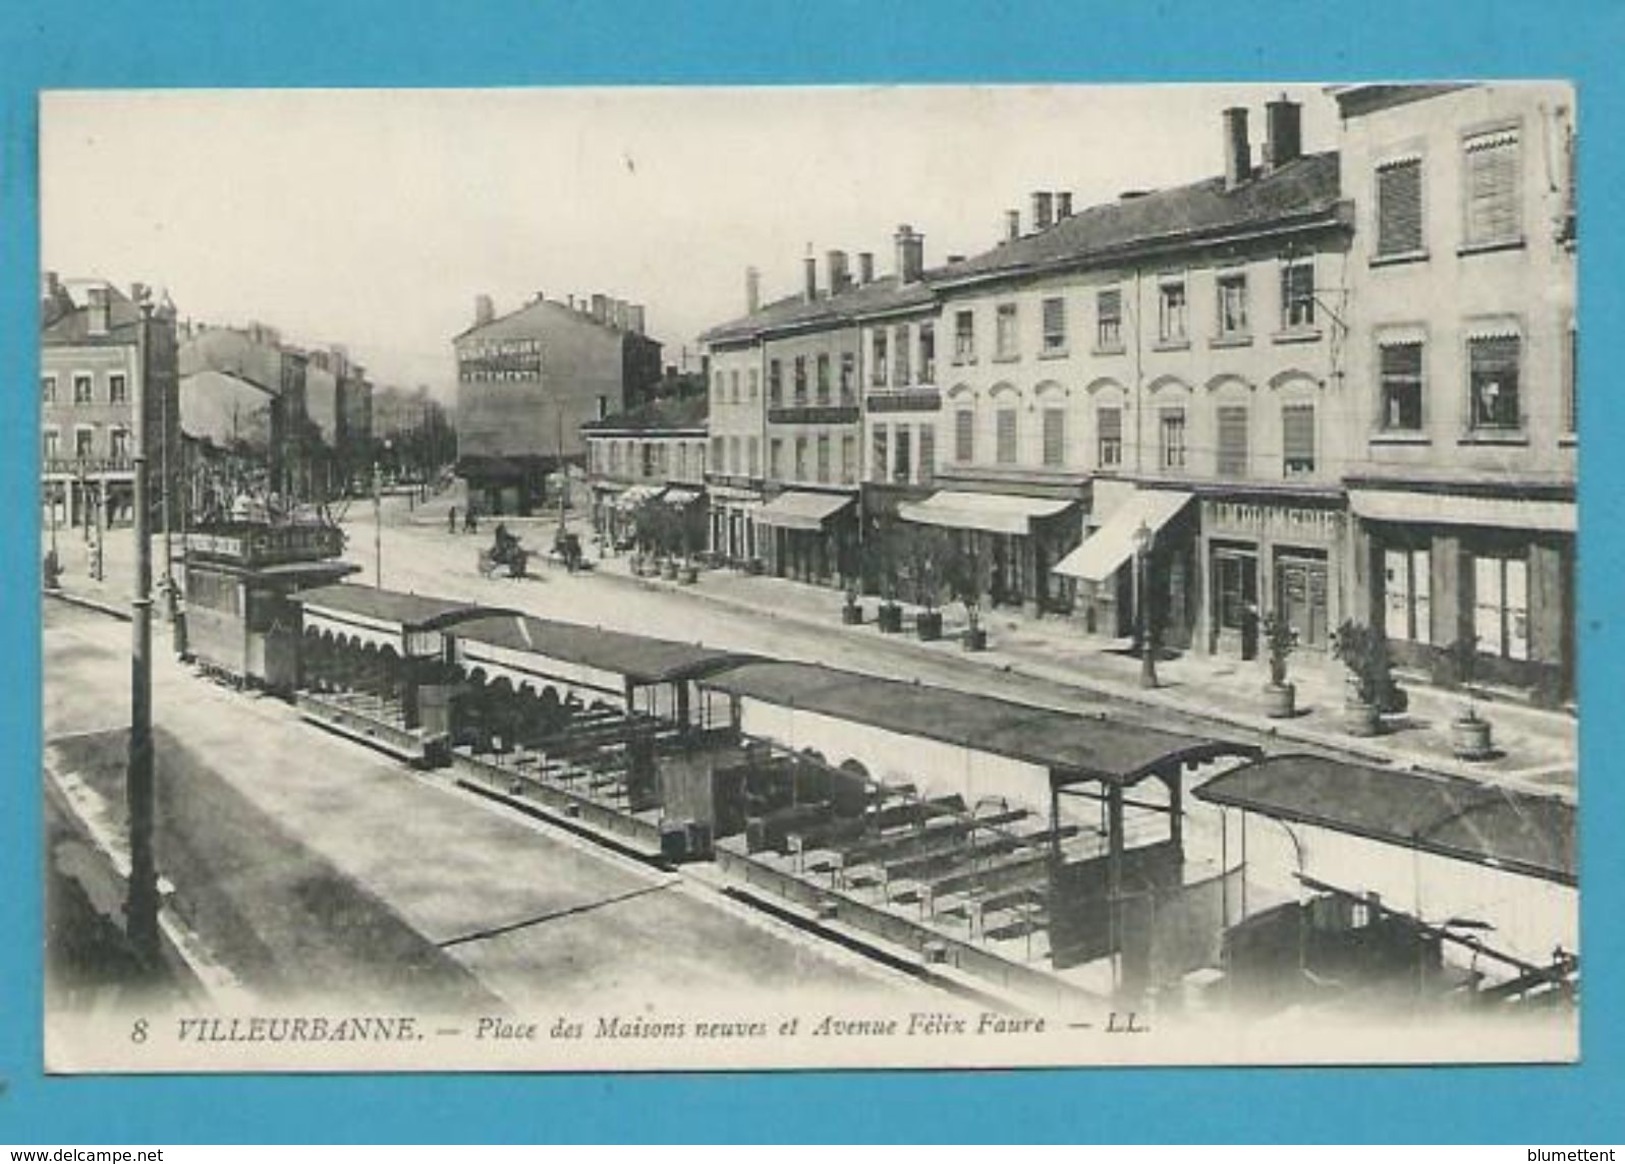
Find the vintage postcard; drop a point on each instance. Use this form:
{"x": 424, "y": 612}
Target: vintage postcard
{"x": 668, "y": 579}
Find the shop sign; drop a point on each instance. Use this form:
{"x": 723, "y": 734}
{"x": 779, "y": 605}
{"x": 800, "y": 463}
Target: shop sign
{"x": 1280, "y": 521}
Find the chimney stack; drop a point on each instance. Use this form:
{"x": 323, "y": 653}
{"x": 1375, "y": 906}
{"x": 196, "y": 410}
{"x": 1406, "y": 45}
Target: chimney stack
{"x": 838, "y": 279}
{"x": 139, "y": 293}
{"x": 866, "y": 266}
{"x": 1237, "y": 151}
{"x": 810, "y": 290}
{"x": 952, "y": 259}
{"x": 1283, "y": 132}
{"x": 97, "y": 319}
{"x": 1043, "y": 205}
{"x": 635, "y": 318}
{"x": 484, "y": 311}
{"x": 910, "y": 254}
{"x": 1063, "y": 205}
{"x": 600, "y": 307}
{"x": 1012, "y": 225}
{"x": 753, "y": 290}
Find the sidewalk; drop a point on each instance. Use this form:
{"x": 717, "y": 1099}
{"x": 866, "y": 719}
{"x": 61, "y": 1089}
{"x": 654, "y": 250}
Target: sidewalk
{"x": 1536, "y": 749}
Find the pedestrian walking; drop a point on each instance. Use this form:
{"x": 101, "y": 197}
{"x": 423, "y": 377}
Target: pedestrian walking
{"x": 451, "y": 521}
{"x": 471, "y": 523}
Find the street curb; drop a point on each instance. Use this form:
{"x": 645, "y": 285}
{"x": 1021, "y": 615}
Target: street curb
{"x": 1275, "y": 729}
{"x": 85, "y": 603}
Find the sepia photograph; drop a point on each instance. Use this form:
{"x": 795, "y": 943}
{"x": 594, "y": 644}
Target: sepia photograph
{"x": 705, "y": 578}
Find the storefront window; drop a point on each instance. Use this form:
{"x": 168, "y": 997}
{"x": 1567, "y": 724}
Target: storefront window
{"x": 1501, "y": 606}
{"x": 1406, "y": 591}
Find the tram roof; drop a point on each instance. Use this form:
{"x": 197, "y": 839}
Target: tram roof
{"x": 1448, "y": 815}
{"x": 1074, "y": 746}
{"x": 640, "y": 659}
{"x": 410, "y": 611}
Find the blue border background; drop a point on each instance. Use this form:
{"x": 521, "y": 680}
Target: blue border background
{"x": 305, "y": 43}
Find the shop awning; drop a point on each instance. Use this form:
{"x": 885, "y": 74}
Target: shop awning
{"x": 796, "y": 509}
{"x": 636, "y": 496}
{"x": 681, "y": 495}
{"x": 1459, "y": 509}
{"x": 992, "y": 512}
{"x": 1105, "y": 550}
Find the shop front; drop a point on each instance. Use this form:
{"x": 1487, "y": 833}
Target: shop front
{"x": 1109, "y": 574}
{"x": 1438, "y": 569}
{"x": 1021, "y": 537}
{"x": 809, "y": 536}
{"x": 735, "y": 537}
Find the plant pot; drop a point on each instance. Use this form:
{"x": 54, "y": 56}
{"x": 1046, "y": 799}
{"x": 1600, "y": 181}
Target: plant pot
{"x": 928, "y": 625}
{"x": 753, "y": 566}
{"x": 976, "y": 638}
{"x": 668, "y": 571}
{"x": 690, "y": 575}
{"x": 852, "y": 614}
{"x": 1470, "y": 738}
{"x": 1280, "y": 700}
{"x": 1361, "y": 718}
{"x": 889, "y": 618}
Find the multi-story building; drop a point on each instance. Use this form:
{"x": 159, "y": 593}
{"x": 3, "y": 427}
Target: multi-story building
{"x": 99, "y": 350}
{"x": 656, "y": 450}
{"x": 1461, "y": 368}
{"x": 357, "y": 454}
{"x": 528, "y": 381}
{"x": 244, "y": 389}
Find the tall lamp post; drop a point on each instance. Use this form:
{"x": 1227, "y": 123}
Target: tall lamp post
{"x": 141, "y": 906}
{"x": 378, "y": 518}
{"x": 1144, "y": 539}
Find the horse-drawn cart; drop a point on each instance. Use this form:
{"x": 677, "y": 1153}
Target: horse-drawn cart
{"x": 505, "y": 553}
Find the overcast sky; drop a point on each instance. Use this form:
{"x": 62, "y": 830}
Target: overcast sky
{"x": 373, "y": 218}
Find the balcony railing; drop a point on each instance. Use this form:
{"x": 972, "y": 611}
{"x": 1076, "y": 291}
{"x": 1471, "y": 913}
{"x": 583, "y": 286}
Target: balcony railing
{"x": 815, "y": 414}
{"x": 88, "y": 466}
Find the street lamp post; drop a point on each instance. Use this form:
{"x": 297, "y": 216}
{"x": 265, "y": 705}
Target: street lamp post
{"x": 1144, "y": 539}
{"x": 141, "y": 906}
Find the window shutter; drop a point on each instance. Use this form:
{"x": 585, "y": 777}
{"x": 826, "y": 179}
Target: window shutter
{"x": 1399, "y": 207}
{"x": 1006, "y": 445}
{"x": 1054, "y": 437}
{"x": 964, "y": 435}
{"x": 1232, "y": 442}
{"x": 1492, "y": 188}
{"x": 1054, "y": 323}
{"x": 1298, "y": 433}
{"x": 928, "y": 453}
{"x": 1111, "y": 424}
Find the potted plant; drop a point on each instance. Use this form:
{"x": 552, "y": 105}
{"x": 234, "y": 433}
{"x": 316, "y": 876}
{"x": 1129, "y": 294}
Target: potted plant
{"x": 967, "y": 582}
{"x": 1364, "y": 651}
{"x": 851, "y": 611}
{"x": 1470, "y": 733}
{"x": 926, "y": 575}
{"x": 689, "y": 573}
{"x": 1280, "y": 640}
{"x": 889, "y": 618}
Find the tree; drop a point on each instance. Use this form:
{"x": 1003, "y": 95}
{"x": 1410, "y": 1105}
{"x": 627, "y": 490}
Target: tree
{"x": 968, "y": 578}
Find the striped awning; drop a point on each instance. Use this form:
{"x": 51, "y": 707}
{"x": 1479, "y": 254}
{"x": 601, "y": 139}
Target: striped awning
{"x": 990, "y": 512}
{"x": 1104, "y": 551}
{"x": 1456, "y": 509}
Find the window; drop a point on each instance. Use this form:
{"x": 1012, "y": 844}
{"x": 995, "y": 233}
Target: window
{"x": 1109, "y": 320}
{"x": 81, "y": 390}
{"x": 1004, "y": 445}
{"x": 736, "y": 463}
{"x": 753, "y": 449}
{"x": 1232, "y": 305}
{"x": 1501, "y": 606}
{"x": 682, "y": 462}
{"x": 849, "y": 459}
{"x": 1493, "y": 212}
{"x": 823, "y": 378}
{"x": 1232, "y": 461}
{"x": 928, "y": 353}
{"x": 84, "y": 442}
{"x": 1004, "y": 333}
{"x": 965, "y": 337}
{"x": 849, "y": 376}
{"x": 1407, "y": 586}
{"x": 1571, "y": 368}
{"x": 48, "y": 389}
{"x": 801, "y": 380}
{"x": 734, "y": 385}
{"x": 823, "y": 458}
{"x": 754, "y": 386}
{"x": 717, "y": 386}
{"x": 52, "y": 444}
{"x": 900, "y": 377}
{"x": 801, "y": 459}
{"x": 1173, "y": 438}
{"x": 964, "y": 435}
{"x": 901, "y": 452}
{"x": 1399, "y": 207}
{"x": 775, "y": 459}
{"x": 1297, "y": 296}
{"x": 1493, "y": 381}
{"x": 1401, "y": 371}
{"x": 775, "y": 383}
{"x": 928, "y": 453}
{"x": 877, "y": 365}
{"x": 1054, "y": 437}
{"x": 877, "y": 471}
{"x": 1109, "y": 426}
{"x": 1298, "y": 439}
{"x": 1172, "y": 312}
{"x": 1055, "y": 325}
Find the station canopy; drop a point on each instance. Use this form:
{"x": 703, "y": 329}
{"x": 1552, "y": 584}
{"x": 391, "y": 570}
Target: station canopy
{"x": 1074, "y": 746}
{"x": 639, "y": 659}
{"x": 407, "y": 612}
{"x": 990, "y": 512}
{"x": 1446, "y": 815}
{"x": 1103, "y": 552}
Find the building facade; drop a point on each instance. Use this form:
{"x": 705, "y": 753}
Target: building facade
{"x": 100, "y": 349}
{"x": 528, "y": 381}
{"x": 654, "y": 451}
{"x": 1462, "y": 364}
